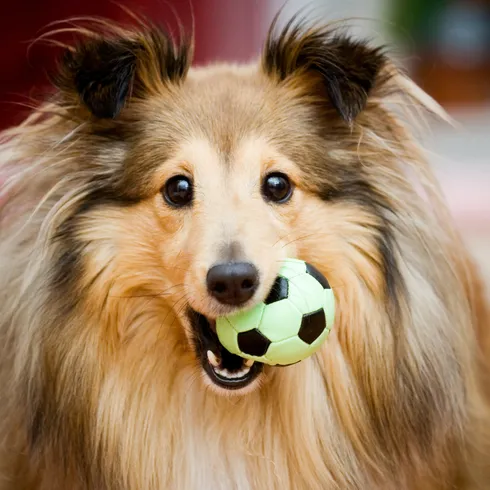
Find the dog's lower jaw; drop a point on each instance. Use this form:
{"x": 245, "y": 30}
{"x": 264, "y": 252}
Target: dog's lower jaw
{"x": 239, "y": 391}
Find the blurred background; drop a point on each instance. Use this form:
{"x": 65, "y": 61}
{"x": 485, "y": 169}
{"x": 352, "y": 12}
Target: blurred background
{"x": 443, "y": 44}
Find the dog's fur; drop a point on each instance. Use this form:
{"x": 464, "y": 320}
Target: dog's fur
{"x": 101, "y": 387}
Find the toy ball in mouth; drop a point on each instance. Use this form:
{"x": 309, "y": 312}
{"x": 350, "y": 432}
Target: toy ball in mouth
{"x": 290, "y": 325}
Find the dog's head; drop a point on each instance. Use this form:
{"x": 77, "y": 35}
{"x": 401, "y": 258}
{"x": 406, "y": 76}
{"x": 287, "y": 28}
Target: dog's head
{"x": 184, "y": 188}
{"x": 163, "y": 196}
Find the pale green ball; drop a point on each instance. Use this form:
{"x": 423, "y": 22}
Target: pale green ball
{"x": 290, "y": 325}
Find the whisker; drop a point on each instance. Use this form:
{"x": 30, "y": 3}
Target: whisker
{"x": 156, "y": 295}
{"x": 282, "y": 238}
{"x": 171, "y": 310}
{"x": 304, "y": 237}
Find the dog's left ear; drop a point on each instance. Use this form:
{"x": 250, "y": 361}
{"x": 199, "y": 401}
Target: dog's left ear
{"x": 347, "y": 69}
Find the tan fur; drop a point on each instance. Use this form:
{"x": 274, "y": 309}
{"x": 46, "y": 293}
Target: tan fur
{"x": 383, "y": 405}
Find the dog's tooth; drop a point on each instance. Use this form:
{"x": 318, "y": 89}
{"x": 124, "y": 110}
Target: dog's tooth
{"x": 213, "y": 360}
{"x": 249, "y": 363}
{"x": 223, "y": 372}
{"x": 243, "y": 372}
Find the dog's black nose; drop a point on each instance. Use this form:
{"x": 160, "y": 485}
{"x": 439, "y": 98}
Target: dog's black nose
{"x": 233, "y": 283}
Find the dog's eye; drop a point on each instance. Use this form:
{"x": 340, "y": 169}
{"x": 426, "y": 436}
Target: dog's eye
{"x": 277, "y": 187}
{"x": 178, "y": 191}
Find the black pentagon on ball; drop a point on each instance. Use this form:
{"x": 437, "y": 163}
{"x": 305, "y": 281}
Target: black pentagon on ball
{"x": 253, "y": 343}
{"x": 312, "y": 326}
{"x": 314, "y": 272}
{"x": 279, "y": 290}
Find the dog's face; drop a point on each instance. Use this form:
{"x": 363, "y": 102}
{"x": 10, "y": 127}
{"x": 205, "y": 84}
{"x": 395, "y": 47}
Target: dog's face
{"x": 208, "y": 179}
{"x": 225, "y": 218}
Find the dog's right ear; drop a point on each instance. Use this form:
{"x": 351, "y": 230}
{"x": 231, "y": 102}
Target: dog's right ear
{"x": 104, "y": 72}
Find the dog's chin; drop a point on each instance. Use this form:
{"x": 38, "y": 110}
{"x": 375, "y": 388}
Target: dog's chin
{"x": 224, "y": 372}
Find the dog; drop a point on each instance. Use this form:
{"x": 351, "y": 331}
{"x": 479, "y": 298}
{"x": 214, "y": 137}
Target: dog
{"x": 138, "y": 176}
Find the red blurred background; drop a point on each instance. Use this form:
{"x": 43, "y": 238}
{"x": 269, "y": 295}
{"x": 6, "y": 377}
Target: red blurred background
{"x": 223, "y": 30}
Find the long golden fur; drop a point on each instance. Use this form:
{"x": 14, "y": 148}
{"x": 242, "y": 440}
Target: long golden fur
{"x": 101, "y": 384}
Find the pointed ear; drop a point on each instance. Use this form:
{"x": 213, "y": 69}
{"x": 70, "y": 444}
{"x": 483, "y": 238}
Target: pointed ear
{"x": 104, "y": 72}
{"x": 348, "y": 69}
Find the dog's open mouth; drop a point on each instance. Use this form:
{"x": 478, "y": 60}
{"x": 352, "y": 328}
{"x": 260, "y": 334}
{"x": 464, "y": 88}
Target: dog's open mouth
{"x": 225, "y": 369}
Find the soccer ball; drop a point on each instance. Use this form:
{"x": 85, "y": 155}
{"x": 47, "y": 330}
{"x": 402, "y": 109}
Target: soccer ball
{"x": 290, "y": 325}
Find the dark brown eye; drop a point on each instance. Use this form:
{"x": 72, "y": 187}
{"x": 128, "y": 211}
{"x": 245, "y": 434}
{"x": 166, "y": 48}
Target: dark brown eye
{"x": 277, "y": 188}
{"x": 178, "y": 191}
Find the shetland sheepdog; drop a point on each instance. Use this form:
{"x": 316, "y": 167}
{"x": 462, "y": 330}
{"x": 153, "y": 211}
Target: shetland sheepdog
{"x": 136, "y": 178}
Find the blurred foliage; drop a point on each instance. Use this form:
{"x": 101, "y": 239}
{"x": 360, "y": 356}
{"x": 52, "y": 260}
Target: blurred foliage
{"x": 412, "y": 20}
